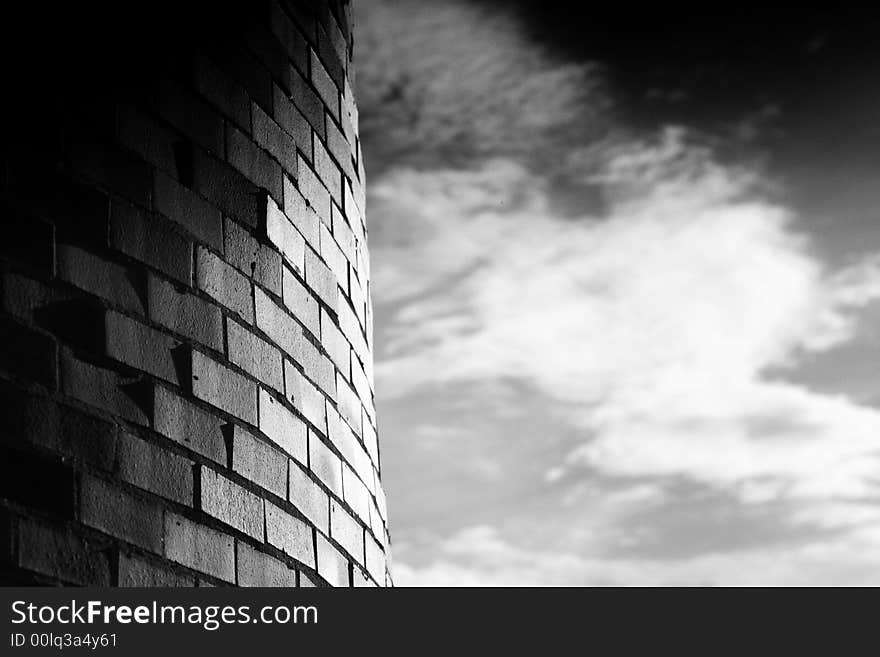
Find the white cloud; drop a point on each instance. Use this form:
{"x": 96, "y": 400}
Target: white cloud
{"x": 652, "y": 327}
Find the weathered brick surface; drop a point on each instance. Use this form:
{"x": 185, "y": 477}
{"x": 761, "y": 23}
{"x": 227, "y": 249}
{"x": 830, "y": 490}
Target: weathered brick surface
{"x": 231, "y": 504}
{"x": 185, "y": 309}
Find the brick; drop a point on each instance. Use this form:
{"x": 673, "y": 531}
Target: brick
{"x": 371, "y": 442}
{"x": 314, "y": 191}
{"x": 335, "y": 258}
{"x": 305, "y": 397}
{"x": 328, "y": 171}
{"x": 253, "y": 162}
{"x": 110, "y": 167}
{"x": 382, "y": 503}
{"x": 135, "y": 571}
{"x": 118, "y": 514}
{"x": 290, "y": 535}
{"x": 377, "y": 525}
{"x": 226, "y": 188}
{"x": 225, "y": 284}
{"x": 282, "y": 427}
{"x": 275, "y": 322}
{"x": 339, "y": 147}
{"x": 290, "y": 38}
{"x": 223, "y": 92}
{"x": 140, "y": 346}
{"x": 321, "y": 279}
{"x": 333, "y": 51}
{"x": 362, "y": 388}
{"x": 147, "y": 138}
{"x": 349, "y": 405}
{"x": 351, "y": 328}
{"x": 152, "y": 240}
{"x": 102, "y": 388}
{"x": 188, "y": 113}
{"x": 346, "y": 531}
{"x": 336, "y": 344}
{"x": 224, "y": 388}
{"x": 314, "y": 363}
{"x": 307, "y": 102}
{"x": 231, "y": 504}
{"x": 245, "y": 68}
{"x": 345, "y": 441}
{"x": 273, "y": 139}
{"x": 358, "y": 301}
{"x": 152, "y": 468}
{"x": 188, "y": 210}
{"x": 254, "y": 355}
{"x": 108, "y": 280}
{"x": 259, "y": 462}
{"x": 301, "y": 215}
{"x": 293, "y": 122}
{"x": 58, "y": 428}
{"x": 28, "y": 354}
{"x": 58, "y": 552}
{"x": 344, "y": 235}
{"x": 300, "y": 302}
{"x": 187, "y": 424}
{"x": 185, "y": 314}
{"x": 325, "y": 464}
{"x": 375, "y": 559}
{"x": 284, "y": 235}
{"x": 332, "y": 564}
{"x": 257, "y": 568}
{"x": 200, "y": 548}
{"x": 355, "y": 493}
{"x": 309, "y": 498}
{"x": 360, "y": 579}
{"x": 325, "y": 85}
{"x": 246, "y": 254}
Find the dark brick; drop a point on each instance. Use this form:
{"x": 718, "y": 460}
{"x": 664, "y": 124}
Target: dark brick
{"x": 254, "y": 163}
{"x": 293, "y": 122}
{"x": 269, "y": 52}
{"x": 244, "y": 252}
{"x": 187, "y": 424}
{"x": 221, "y": 90}
{"x": 112, "y": 168}
{"x": 259, "y": 462}
{"x": 116, "y": 283}
{"x": 140, "y": 346}
{"x": 328, "y": 172}
{"x": 332, "y": 52}
{"x": 224, "y": 388}
{"x": 225, "y": 284}
{"x": 254, "y": 355}
{"x": 110, "y": 510}
{"x": 290, "y": 38}
{"x": 104, "y": 389}
{"x": 327, "y": 89}
{"x": 185, "y": 313}
{"x": 189, "y": 114}
{"x": 19, "y": 472}
{"x": 200, "y": 548}
{"x": 247, "y": 70}
{"x": 152, "y": 468}
{"x": 27, "y": 241}
{"x": 257, "y": 568}
{"x": 270, "y": 136}
{"x": 152, "y": 240}
{"x": 189, "y": 211}
{"x": 28, "y": 354}
{"x": 226, "y": 188}
{"x": 307, "y": 102}
{"x": 134, "y": 571}
{"x": 58, "y": 552}
{"x": 145, "y": 136}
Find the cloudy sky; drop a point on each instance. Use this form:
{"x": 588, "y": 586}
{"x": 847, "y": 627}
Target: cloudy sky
{"x": 626, "y": 280}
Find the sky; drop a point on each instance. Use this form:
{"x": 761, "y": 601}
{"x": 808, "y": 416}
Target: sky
{"x": 626, "y": 288}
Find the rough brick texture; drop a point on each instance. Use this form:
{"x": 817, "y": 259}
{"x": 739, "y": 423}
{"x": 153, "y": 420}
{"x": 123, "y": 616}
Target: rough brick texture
{"x": 184, "y": 304}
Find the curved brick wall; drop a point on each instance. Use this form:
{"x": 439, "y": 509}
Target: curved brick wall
{"x": 186, "y": 330}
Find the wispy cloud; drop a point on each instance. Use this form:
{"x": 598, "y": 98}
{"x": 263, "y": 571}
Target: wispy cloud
{"x": 649, "y": 329}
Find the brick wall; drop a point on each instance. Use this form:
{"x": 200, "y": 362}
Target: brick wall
{"x": 186, "y": 368}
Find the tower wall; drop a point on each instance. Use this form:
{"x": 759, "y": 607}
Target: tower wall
{"x": 186, "y": 337}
